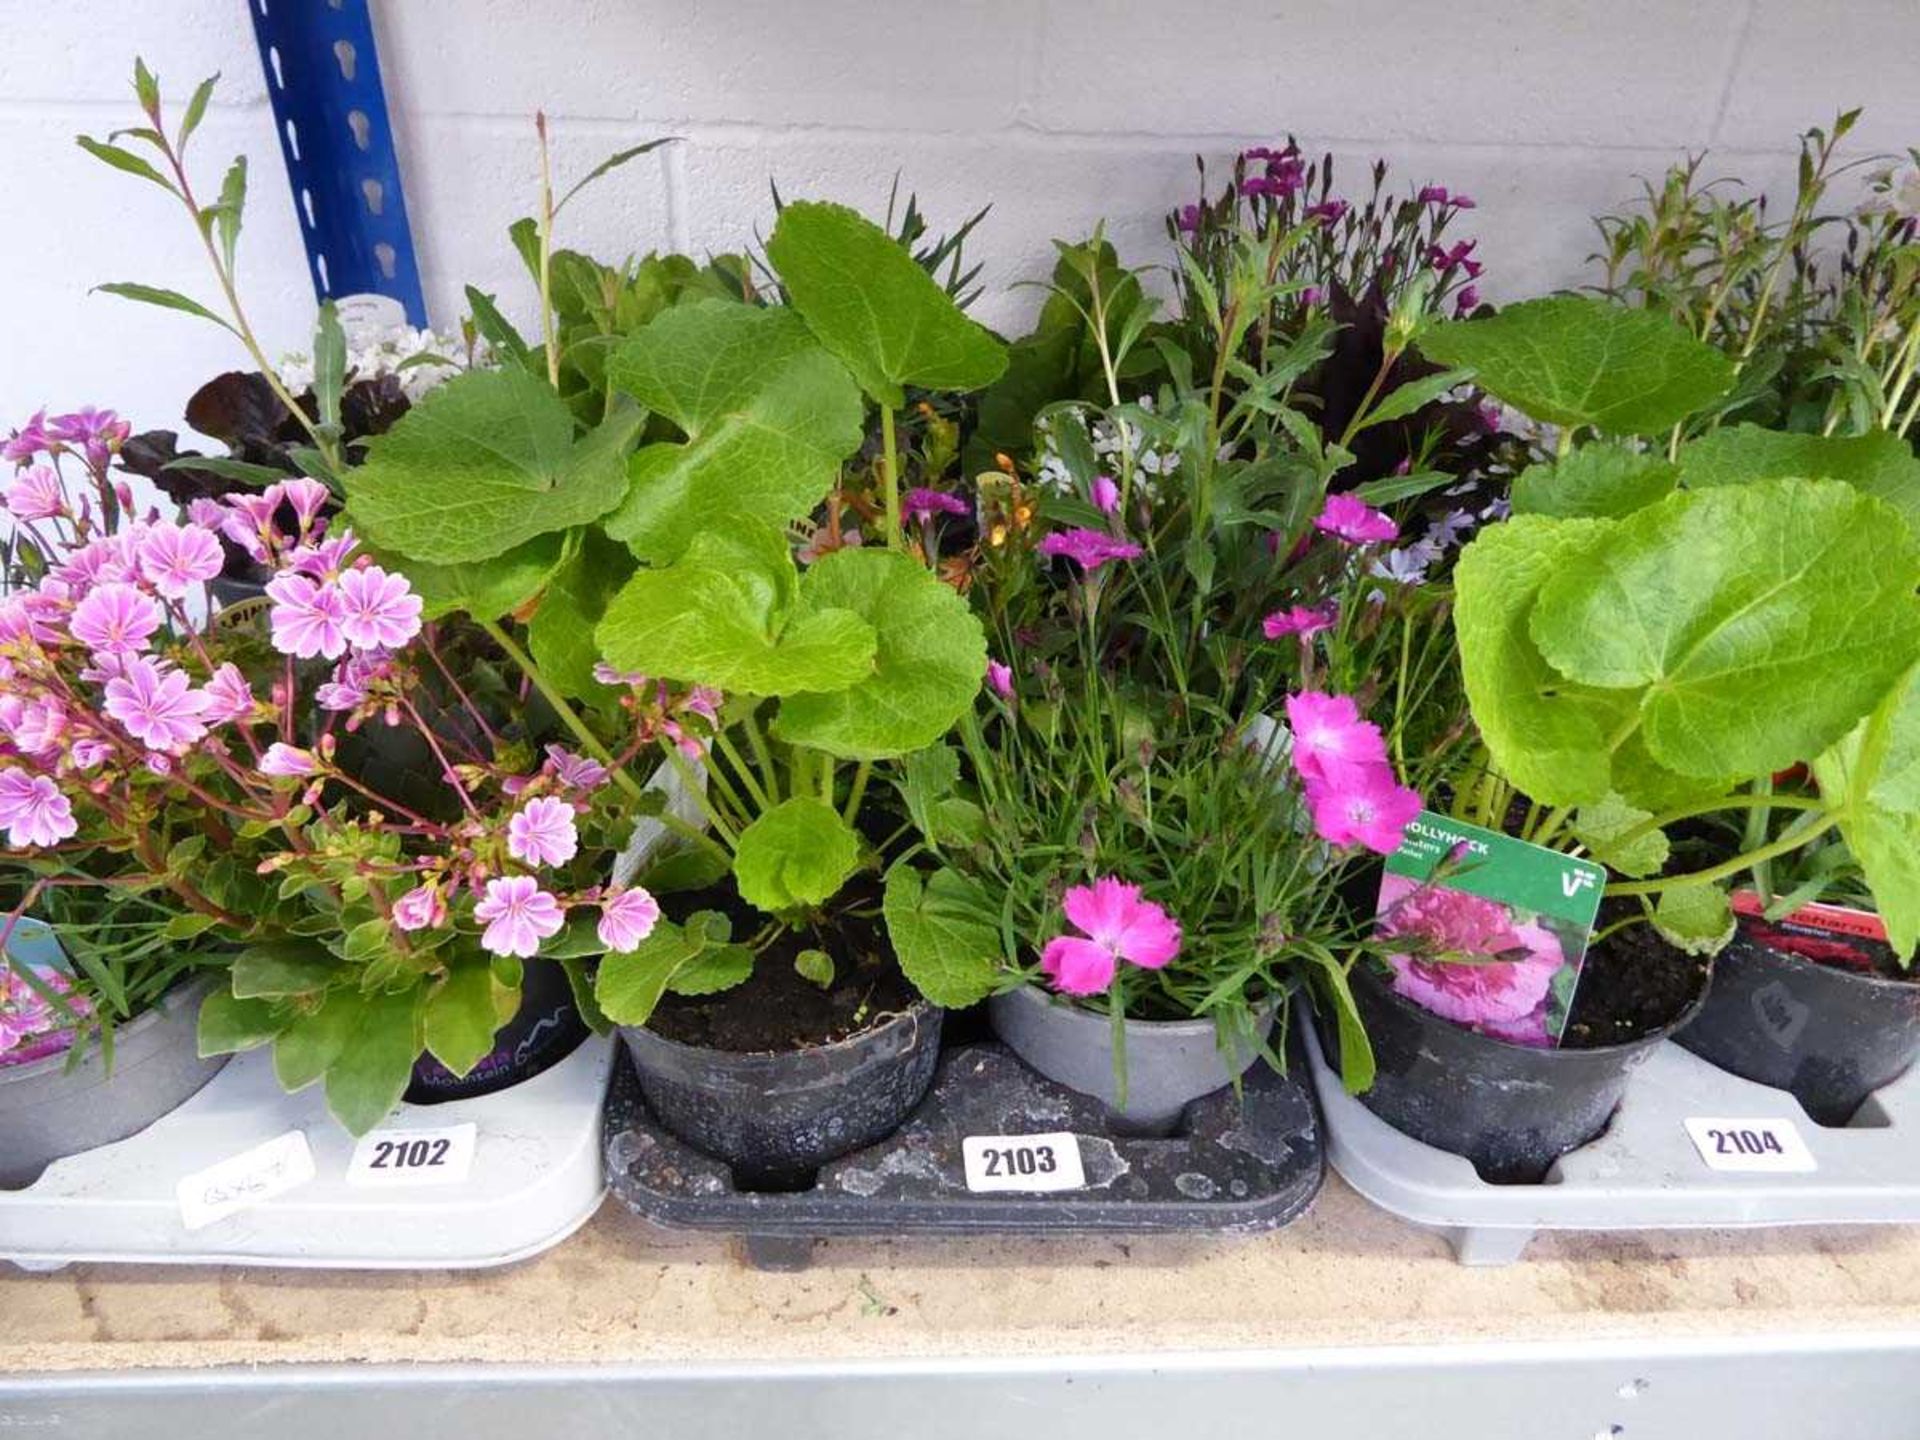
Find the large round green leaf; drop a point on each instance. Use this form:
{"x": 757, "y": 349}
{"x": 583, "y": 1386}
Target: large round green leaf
{"x": 1879, "y": 463}
{"x": 796, "y": 855}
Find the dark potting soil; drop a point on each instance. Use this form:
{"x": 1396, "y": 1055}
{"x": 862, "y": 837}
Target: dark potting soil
{"x": 1633, "y": 983}
{"x": 777, "y": 1009}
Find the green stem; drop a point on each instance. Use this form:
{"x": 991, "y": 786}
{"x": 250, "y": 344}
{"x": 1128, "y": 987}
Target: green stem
{"x": 563, "y": 708}
{"x": 890, "y": 480}
{"x": 858, "y": 792}
{"x": 1728, "y": 868}
{"x": 769, "y": 772}
{"x": 740, "y": 767}
{"x": 546, "y": 257}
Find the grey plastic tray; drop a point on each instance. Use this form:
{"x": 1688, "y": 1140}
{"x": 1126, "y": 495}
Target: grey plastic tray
{"x": 1643, "y": 1172}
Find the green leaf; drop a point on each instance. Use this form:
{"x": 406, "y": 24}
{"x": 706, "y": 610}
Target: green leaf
{"x": 872, "y": 305}
{"x": 229, "y": 1024}
{"x": 1597, "y": 481}
{"x": 931, "y": 656}
{"x": 815, "y": 967}
{"x": 370, "y": 1075}
{"x": 719, "y": 968}
{"x": 1605, "y": 824}
{"x": 1404, "y": 400}
{"x": 796, "y": 855}
{"x": 1873, "y": 778}
{"x": 259, "y": 476}
{"x": 1546, "y": 735}
{"x": 460, "y": 1015}
{"x": 165, "y": 299}
{"x": 231, "y": 209}
{"x": 1749, "y": 627}
{"x": 483, "y": 464}
{"x": 561, "y": 632}
{"x": 612, "y": 162}
{"x": 1574, "y": 360}
{"x": 124, "y": 160}
{"x": 768, "y": 416}
{"x": 196, "y": 110}
{"x": 944, "y": 934}
{"x": 315, "y": 1038}
{"x": 690, "y": 868}
{"x": 1878, "y": 463}
{"x": 186, "y": 925}
{"x": 729, "y": 615}
{"x": 496, "y": 329}
{"x": 1694, "y": 918}
{"x": 329, "y": 364}
{"x": 927, "y": 777}
{"x": 282, "y": 968}
{"x": 485, "y": 589}
{"x": 629, "y": 985}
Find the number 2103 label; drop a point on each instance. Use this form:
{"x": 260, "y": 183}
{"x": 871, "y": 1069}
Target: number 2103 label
{"x": 1023, "y": 1162}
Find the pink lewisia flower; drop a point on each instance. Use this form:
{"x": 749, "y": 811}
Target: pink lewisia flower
{"x": 382, "y": 612}
{"x": 86, "y": 754}
{"x": 1327, "y": 730}
{"x": 36, "y": 494}
{"x": 26, "y": 442}
{"x": 607, "y": 675}
{"x": 541, "y": 832}
{"x": 175, "y": 558}
{"x": 626, "y": 918}
{"x": 1353, "y": 520}
{"x": 1505, "y": 997}
{"x": 228, "y": 696}
{"x": 115, "y": 619}
{"x": 922, "y": 501}
{"x": 306, "y": 497}
{"x": 1000, "y": 677}
{"x": 1302, "y": 620}
{"x": 1120, "y": 926}
{"x": 33, "y": 810}
{"x": 519, "y": 915}
{"x": 284, "y": 761}
{"x": 421, "y": 908}
{"x": 326, "y": 560}
{"x": 97, "y": 433}
{"x": 575, "y": 770}
{"x": 1362, "y": 804}
{"x": 1106, "y": 494}
{"x": 38, "y": 727}
{"x": 307, "y": 618}
{"x": 156, "y": 705}
{"x": 1089, "y": 549}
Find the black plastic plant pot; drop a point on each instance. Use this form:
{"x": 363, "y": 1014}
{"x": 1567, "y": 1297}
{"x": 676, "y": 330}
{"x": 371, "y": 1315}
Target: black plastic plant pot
{"x": 777, "y": 1118}
{"x": 1512, "y": 1110}
{"x": 547, "y": 1028}
{"x": 1830, "y": 1036}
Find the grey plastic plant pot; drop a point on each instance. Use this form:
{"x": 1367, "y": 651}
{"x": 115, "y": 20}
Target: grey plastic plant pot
{"x": 1170, "y": 1063}
{"x": 546, "y": 1029}
{"x": 48, "y": 1112}
{"x": 1512, "y": 1110}
{"x": 1829, "y": 1036}
{"x": 777, "y": 1118}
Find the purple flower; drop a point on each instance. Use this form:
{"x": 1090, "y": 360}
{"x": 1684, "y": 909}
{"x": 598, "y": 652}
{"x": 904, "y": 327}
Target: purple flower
{"x": 86, "y": 754}
{"x": 607, "y": 675}
{"x": 1089, "y": 549}
{"x": 1119, "y": 925}
{"x": 94, "y": 563}
{"x": 1463, "y": 202}
{"x": 575, "y": 770}
{"x": 228, "y": 696}
{"x": 175, "y": 558}
{"x": 306, "y": 497}
{"x": 1433, "y": 195}
{"x": 36, "y": 726}
{"x": 115, "y": 619}
{"x": 156, "y": 705}
{"x": 325, "y": 560}
{"x": 1188, "y": 220}
{"x": 1255, "y": 185}
{"x": 33, "y": 810}
{"x": 626, "y": 918}
{"x": 1000, "y": 677}
{"x": 352, "y": 682}
{"x": 308, "y": 618}
{"x": 421, "y": 908}
{"x": 26, "y": 442}
{"x": 382, "y": 612}
{"x": 288, "y": 762}
{"x": 36, "y": 494}
{"x": 1465, "y": 301}
{"x": 542, "y": 833}
{"x": 1327, "y": 212}
{"x": 519, "y": 915}
{"x": 97, "y": 433}
{"x": 1106, "y": 494}
{"x": 922, "y": 501}
{"x": 1301, "y": 620}
{"x": 1353, "y": 520}
{"x": 1310, "y": 296}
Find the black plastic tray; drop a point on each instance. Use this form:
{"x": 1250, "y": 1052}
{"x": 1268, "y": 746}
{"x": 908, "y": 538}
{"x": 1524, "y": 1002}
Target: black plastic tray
{"x": 1243, "y": 1164}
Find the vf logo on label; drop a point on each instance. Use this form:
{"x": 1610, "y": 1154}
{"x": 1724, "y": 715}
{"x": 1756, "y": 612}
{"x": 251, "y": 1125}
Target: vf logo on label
{"x": 1572, "y": 882}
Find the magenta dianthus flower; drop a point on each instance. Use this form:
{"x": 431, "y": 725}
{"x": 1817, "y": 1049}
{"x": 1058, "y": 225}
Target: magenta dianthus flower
{"x": 1118, "y": 924}
{"x": 1351, "y": 519}
{"x": 1089, "y": 549}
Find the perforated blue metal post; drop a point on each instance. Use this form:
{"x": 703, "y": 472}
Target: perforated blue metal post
{"x": 323, "y": 77}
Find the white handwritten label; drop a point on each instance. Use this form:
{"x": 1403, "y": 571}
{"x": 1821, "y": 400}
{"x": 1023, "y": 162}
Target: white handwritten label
{"x": 442, "y": 1155}
{"x": 245, "y": 1180}
{"x": 1023, "y": 1162}
{"x": 1762, "y": 1146}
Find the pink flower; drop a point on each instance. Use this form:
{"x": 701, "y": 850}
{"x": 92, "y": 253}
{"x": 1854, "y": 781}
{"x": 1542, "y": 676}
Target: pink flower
{"x": 37, "y": 726}
{"x": 353, "y": 681}
{"x": 1000, "y": 677}
{"x": 541, "y": 832}
{"x": 86, "y": 754}
{"x": 156, "y": 705}
{"x": 519, "y": 915}
{"x": 1301, "y": 620}
{"x": 1121, "y": 926}
{"x": 626, "y": 918}
{"x": 175, "y": 558}
{"x": 98, "y": 433}
{"x": 1106, "y": 494}
{"x": 306, "y": 497}
{"x": 285, "y": 761}
{"x": 26, "y": 442}
{"x": 33, "y": 810}
{"x": 1432, "y": 195}
{"x": 382, "y": 612}
{"x": 228, "y": 696}
{"x": 249, "y": 523}
{"x": 607, "y": 675}
{"x": 326, "y": 560}
{"x": 1327, "y": 212}
{"x": 921, "y": 502}
{"x": 95, "y": 563}
{"x": 1328, "y": 729}
{"x": 575, "y": 770}
{"x": 308, "y": 618}
{"x": 1362, "y": 804}
{"x": 36, "y": 494}
{"x": 1089, "y": 549}
{"x": 1466, "y": 300}
{"x": 1452, "y": 972}
{"x": 1353, "y": 520}
{"x": 115, "y": 619}
{"x": 421, "y": 908}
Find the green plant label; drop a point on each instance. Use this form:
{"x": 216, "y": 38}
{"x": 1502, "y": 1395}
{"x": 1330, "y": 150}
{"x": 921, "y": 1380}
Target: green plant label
{"x": 1495, "y": 929}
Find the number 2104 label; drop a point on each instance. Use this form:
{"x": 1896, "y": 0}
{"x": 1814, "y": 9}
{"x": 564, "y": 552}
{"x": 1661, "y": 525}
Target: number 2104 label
{"x": 1023, "y": 1162}
{"x": 1751, "y": 1146}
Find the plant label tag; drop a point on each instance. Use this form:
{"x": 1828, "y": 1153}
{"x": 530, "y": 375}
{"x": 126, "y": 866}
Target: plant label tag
{"x": 1751, "y": 1147}
{"x": 245, "y": 1180}
{"x": 442, "y": 1155}
{"x": 1023, "y": 1162}
{"x": 1495, "y": 928}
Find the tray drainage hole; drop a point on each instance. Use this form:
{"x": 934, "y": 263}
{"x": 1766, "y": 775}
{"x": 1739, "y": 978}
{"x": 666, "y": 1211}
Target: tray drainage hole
{"x": 1633, "y": 1389}
{"x": 1612, "y": 1432}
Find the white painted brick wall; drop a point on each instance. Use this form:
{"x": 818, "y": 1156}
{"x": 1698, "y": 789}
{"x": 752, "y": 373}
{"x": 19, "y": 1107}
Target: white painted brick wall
{"x": 1058, "y": 111}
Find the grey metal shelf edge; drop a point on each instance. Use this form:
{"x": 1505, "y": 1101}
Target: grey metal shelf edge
{"x": 1243, "y": 1164}
{"x": 1643, "y": 1172}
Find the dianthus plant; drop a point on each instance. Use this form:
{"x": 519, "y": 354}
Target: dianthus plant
{"x": 248, "y": 769}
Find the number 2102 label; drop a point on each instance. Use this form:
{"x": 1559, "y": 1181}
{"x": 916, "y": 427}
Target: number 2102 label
{"x": 1023, "y": 1162}
{"x": 439, "y": 1156}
